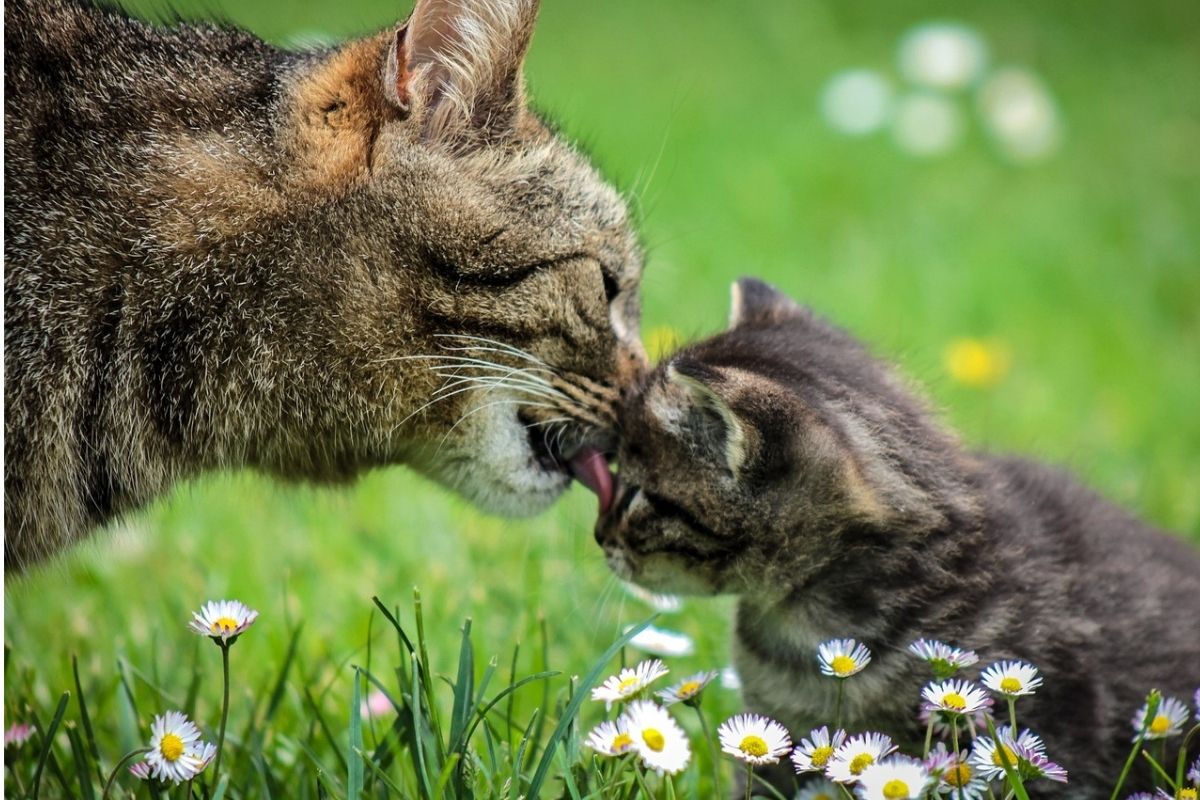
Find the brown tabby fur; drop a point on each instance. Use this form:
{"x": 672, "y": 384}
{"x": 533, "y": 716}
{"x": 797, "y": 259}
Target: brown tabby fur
{"x": 222, "y": 254}
{"x": 782, "y": 463}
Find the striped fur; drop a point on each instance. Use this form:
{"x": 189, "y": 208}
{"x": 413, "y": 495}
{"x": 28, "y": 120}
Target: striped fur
{"x": 220, "y": 254}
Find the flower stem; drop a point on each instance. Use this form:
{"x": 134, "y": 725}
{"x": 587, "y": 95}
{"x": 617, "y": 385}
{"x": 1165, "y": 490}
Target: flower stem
{"x": 224, "y": 711}
{"x": 712, "y": 752}
{"x": 837, "y": 708}
{"x": 1152, "y": 703}
{"x": 1012, "y": 715}
{"x": 954, "y": 741}
{"x": 749, "y": 780}
{"x": 928, "y": 735}
{"x": 1183, "y": 751}
{"x": 112, "y": 776}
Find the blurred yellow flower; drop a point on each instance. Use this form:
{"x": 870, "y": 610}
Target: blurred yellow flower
{"x": 662, "y": 341}
{"x": 977, "y": 363}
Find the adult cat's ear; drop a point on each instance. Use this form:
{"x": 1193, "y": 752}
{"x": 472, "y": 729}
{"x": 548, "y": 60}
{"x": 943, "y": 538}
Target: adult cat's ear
{"x": 705, "y": 416}
{"x": 753, "y": 302}
{"x": 460, "y": 60}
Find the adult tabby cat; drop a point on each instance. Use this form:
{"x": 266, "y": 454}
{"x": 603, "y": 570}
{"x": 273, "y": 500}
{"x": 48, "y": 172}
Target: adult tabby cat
{"x": 782, "y": 463}
{"x": 219, "y": 254}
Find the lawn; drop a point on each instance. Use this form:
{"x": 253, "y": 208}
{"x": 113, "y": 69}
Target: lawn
{"x": 1080, "y": 271}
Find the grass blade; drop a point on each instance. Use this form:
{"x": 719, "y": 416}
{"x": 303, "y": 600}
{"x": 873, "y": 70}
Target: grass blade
{"x": 86, "y": 720}
{"x": 80, "y": 757}
{"x": 354, "y": 771}
{"x": 48, "y": 744}
{"x": 572, "y": 709}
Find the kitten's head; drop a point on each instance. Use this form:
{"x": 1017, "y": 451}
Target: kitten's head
{"x": 490, "y": 248}
{"x": 752, "y": 459}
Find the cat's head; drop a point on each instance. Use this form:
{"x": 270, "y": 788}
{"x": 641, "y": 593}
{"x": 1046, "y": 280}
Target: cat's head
{"x": 750, "y": 460}
{"x": 493, "y": 251}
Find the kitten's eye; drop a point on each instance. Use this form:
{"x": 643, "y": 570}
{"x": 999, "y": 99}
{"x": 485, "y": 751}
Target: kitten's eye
{"x": 611, "y": 288}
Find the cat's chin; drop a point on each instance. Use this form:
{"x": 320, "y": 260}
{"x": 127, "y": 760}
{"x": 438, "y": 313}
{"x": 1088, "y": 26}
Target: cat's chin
{"x": 492, "y": 462}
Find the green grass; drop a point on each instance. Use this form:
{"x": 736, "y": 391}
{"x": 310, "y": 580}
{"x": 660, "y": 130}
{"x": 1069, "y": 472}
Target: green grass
{"x": 1086, "y": 267}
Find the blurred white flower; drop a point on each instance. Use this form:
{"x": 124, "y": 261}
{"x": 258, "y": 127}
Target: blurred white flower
{"x": 18, "y": 733}
{"x": 176, "y": 752}
{"x": 942, "y": 55}
{"x": 664, "y": 603}
{"x": 856, "y": 102}
{"x": 927, "y": 124}
{"x": 1020, "y": 115}
{"x": 662, "y": 642}
{"x": 375, "y": 704}
{"x": 944, "y": 659}
{"x": 819, "y": 790}
{"x": 730, "y": 679}
{"x": 1168, "y": 719}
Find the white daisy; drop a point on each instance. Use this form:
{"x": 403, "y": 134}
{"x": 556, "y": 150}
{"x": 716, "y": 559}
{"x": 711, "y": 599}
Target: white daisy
{"x": 140, "y": 770}
{"x": 203, "y": 755}
{"x": 610, "y": 738}
{"x": 665, "y": 603}
{"x": 895, "y": 778}
{"x": 1011, "y": 678}
{"x": 954, "y": 774}
{"x": 657, "y": 738}
{"x": 819, "y": 790}
{"x": 856, "y": 754}
{"x": 174, "y": 740}
{"x": 1194, "y": 773}
{"x": 813, "y": 753}
{"x": 841, "y": 658}
{"x": 223, "y": 619}
{"x": 1168, "y": 720}
{"x": 942, "y": 720}
{"x": 688, "y": 689}
{"x": 956, "y": 697}
{"x": 754, "y": 739}
{"x": 629, "y": 681}
{"x": 985, "y": 755}
{"x": 944, "y": 659}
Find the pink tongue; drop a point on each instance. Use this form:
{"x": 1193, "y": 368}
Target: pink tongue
{"x": 590, "y": 468}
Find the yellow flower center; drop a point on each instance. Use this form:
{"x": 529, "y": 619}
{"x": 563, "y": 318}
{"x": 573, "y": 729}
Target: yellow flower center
{"x": 654, "y": 739}
{"x": 171, "y": 747}
{"x": 861, "y": 762}
{"x": 688, "y": 688}
{"x": 626, "y": 684}
{"x": 1010, "y": 685}
{"x": 820, "y": 756}
{"x": 895, "y": 789}
{"x": 843, "y": 665}
{"x": 1160, "y": 725}
{"x": 822, "y": 796}
{"x": 958, "y": 775}
{"x": 621, "y": 742}
{"x": 955, "y": 701}
{"x": 1008, "y": 753}
{"x": 223, "y": 624}
{"x": 1187, "y": 793}
{"x": 753, "y": 746}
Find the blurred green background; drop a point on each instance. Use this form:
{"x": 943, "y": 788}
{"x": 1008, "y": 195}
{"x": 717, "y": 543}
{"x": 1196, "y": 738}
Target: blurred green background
{"x": 1073, "y": 282}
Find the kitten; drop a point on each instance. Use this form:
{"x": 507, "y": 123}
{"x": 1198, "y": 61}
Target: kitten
{"x": 220, "y": 254}
{"x": 781, "y": 463}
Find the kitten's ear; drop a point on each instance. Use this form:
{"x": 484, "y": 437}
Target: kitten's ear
{"x": 706, "y": 415}
{"x": 752, "y": 301}
{"x": 461, "y": 59}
